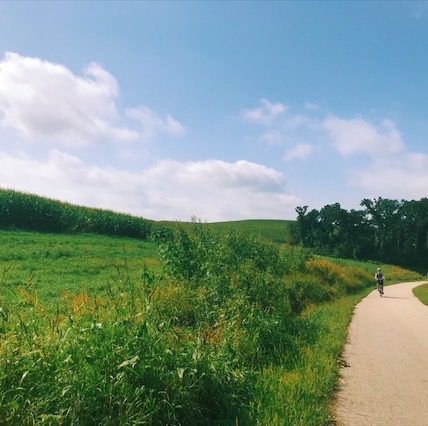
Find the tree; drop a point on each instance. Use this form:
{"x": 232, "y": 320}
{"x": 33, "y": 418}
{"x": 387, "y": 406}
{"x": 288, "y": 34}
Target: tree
{"x": 388, "y": 230}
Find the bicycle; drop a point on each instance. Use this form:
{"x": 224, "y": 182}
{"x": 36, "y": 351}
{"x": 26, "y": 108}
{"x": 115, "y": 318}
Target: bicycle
{"x": 380, "y": 287}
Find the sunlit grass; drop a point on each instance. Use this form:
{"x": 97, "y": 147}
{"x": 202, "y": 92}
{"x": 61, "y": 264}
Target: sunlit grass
{"x": 272, "y": 230}
{"x": 302, "y": 393}
{"x": 421, "y": 293}
{"x": 393, "y": 273}
{"x": 215, "y": 330}
{"x": 55, "y": 263}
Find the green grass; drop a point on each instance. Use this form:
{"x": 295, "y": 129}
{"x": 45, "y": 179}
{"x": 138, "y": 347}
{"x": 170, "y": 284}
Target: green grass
{"x": 369, "y": 266}
{"x": 421, "y": 293}
{"x": 216, "y": 329}
{"x": 393, "y": 273}
{"x": 54, "y": 263}
{"x": 272, "y": 230}
{"x": 302, "y": 394}
{"x": 213, "y": 328}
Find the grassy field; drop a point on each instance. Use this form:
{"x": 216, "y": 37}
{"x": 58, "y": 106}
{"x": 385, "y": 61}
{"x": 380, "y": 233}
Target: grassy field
{"x": 421, "y": 293}
{"x": 272, "y": 230}
{"x": 195, "y": 329}
{"x": 54, "y": 264}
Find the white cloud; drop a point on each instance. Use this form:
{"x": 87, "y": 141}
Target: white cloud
{"x": 403, "y": 176}
{"x": 46, "y": 102}
{"x": 300, "y": 121}
{"x": 153, "y": 124}
{"x": 212, "y": 190}
{"x": 312, "y": 106}
{"x": 265, "y": 114}
{"x": 273, "y": 137}
{"x": 299, "y": 152}
{"x": 392, "y": 170}
{"x": 357, "y": 136}
{"x": 286, "y": 129}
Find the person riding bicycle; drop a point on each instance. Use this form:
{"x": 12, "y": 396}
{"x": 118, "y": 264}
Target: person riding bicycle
{"x": 379, "y": 277}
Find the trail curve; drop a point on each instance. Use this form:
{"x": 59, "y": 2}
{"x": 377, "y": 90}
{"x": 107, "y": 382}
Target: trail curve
{"x": 385, "y": 377}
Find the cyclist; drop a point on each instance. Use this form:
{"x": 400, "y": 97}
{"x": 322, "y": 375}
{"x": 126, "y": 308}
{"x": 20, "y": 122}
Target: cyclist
{"x": 379, "y": 277}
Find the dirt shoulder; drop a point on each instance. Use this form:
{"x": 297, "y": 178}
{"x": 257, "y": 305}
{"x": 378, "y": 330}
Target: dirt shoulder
{"x": 386, "y": 380}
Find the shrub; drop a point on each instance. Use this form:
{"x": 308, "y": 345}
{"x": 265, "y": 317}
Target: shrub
{"x": 240, "y": 280}
{"x": 306, "y": 289}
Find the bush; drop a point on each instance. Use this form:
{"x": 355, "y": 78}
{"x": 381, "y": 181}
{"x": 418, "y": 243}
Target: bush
{"x": 306, "y": 289}
{"x": 241, "y": 281}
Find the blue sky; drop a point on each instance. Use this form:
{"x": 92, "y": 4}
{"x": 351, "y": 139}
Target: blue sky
{"x": 222, "y": 110}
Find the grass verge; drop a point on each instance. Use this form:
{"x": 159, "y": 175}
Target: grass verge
{"x": 301, "y": 394}
{"x": 421, "y": 293}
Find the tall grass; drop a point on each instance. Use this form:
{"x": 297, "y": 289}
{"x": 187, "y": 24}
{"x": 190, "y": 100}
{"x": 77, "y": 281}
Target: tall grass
{"x": 301, "y": 394}
{"x": 109, "y": 360}
{"x": 393, "y": 273}
{"x": 228, "y": 333}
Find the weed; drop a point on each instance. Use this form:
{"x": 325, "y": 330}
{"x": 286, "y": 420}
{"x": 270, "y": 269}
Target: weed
{"x": 232, "y": 330}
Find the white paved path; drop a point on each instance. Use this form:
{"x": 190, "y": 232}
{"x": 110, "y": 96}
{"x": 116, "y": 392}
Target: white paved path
{"x": 386, "y": 382}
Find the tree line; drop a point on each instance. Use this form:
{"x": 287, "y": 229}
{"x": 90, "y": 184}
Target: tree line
{"x": 384, "y": 229}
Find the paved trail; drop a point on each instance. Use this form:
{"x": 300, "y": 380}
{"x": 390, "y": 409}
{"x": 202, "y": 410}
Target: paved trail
{"x": 386, "y": 382}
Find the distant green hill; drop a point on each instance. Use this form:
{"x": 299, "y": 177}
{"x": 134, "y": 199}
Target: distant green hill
{"x": 274, "y": 230}
{"x": 19, "y": 210}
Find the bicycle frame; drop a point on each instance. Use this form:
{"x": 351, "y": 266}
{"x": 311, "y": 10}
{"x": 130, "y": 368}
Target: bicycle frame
{"x": 380, "y": 287}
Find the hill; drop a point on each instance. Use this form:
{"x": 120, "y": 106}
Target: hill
{"x": 31, "y": 212}
{"x": 273, "y": 230}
